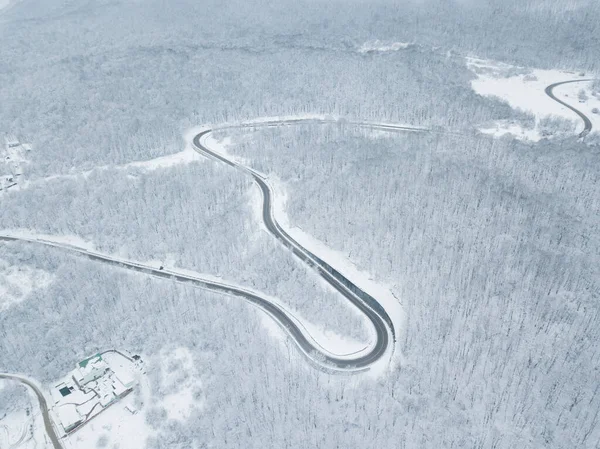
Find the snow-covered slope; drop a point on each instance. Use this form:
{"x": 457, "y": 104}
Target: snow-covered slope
{"x": 524, "y": 89}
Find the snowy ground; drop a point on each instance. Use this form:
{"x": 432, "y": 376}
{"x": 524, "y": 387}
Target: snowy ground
{"x": 181, "y": 379}
{"x": 504, "y": 127}
{"x": 187, "y": 156}
{"x": 382, "y": 47}
{"x": 17, "y": 282}
{"x": 523, "y": 89}
{"x": 22, "y": 428}
{"x": 123, "y": 424}
{"x": 569, "y": 94}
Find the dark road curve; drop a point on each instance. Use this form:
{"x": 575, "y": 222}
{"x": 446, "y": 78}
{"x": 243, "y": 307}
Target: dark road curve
{"x": 368, "y": 305}
{"x": 587, "y": 124}
{"x": 43, "y": 407}
{"x": 319, "y": 359}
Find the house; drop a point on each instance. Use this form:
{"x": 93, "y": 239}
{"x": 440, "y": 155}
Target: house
{"x": 90, "y": 369}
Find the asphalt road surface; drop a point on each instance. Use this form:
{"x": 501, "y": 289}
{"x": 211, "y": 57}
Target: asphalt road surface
{"x": 587, "y": 124}
{"x": 363, "y": 301}
{"x": 368, "y": 305}
{"x": 314, "y": 354}
{"x": 43, "y": 407}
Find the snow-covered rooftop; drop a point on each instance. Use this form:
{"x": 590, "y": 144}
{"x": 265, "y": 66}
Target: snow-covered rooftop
{"x": 91, "y": 367}
{"x": 68, "y": 415}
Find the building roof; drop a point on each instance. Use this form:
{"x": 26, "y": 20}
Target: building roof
{"x": 85, "y": 362}
{"x": 93, "y": 366}
{"x": 123, "y": 375}
{"x": 118, "y": 388}
{"x": 68, "y": 415}
{"x": 65, "y": 391}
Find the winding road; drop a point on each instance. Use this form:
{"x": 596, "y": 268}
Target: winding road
{"x": 587, "y": 124}
{"x": 277, "y": 312}
{"x": 358, "y": 297}
{"x": 367, "y": 304}
{"x": 383, "y": 324}
{"x": 319, "y": 358}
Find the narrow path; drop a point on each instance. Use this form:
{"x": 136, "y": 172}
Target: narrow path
{"x": 24, "y": 430}
{"x": 587, "y": 124}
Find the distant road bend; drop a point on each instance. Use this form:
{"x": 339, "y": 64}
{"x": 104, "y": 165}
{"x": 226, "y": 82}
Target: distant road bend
{"x": 587, "y": 124}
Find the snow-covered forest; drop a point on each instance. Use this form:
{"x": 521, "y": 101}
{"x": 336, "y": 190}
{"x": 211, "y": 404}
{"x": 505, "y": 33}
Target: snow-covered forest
{"x": 197, "y": 217}
{"x": 107, "y": 82}
{"x": 490, "y": 244}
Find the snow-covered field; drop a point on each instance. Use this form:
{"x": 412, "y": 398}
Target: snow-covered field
{"x": 17, "y": 282}
{"x": 382, "y": 47}
{"x": 524, "y": 89}
{"x": 180, "y": 378}
{"x": 504, "y": 127}
{"x": 187, "y": 156}
{"x": 121, "y": 425}
{"x": 589, "y": 104}
{"x": 21, "y": 427}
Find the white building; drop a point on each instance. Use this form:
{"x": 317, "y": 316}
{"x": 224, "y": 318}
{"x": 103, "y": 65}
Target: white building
{"x": 90, "y": 369}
